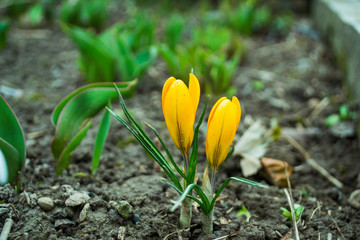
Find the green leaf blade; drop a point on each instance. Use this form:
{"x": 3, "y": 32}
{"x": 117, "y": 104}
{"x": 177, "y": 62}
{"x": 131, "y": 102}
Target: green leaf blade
{"x": 100, "y": 140}
{"x": 74, "y": 112}
{"x": 12, "y": 138}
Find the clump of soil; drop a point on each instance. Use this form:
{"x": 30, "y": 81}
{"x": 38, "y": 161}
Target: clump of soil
{"x": 298, "y": 72}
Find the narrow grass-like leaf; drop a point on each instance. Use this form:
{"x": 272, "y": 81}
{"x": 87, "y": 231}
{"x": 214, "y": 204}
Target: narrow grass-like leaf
{"x": 145, "y": 141}
{"x": 74, "y": 112}
{"x": 204, "y": 203}
{"x": 150, "y": 149}
{"x": 168, "y": 152}
{"x": 194, "y": 153}
{"x": 143, "y": 134}
{"x": 12, "y": 139}
{"x": 100, "y": 140}
{"x": 238, "y": 179}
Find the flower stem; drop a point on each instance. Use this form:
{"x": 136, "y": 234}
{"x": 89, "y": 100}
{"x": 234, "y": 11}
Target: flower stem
{"x": 186, "y": 206}
{"x": 213, "y": 178}
{"x": 185, "y": 213}
{"x": 207, "y": 222}
{"x": 207, "y": 219}
{"x": 186, "y": 162}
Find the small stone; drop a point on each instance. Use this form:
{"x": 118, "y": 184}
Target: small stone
{"x": 125, "y": 209}
{"x": 223, "y": 221}
{"x": 113, "y": 204}
{"x": 354, "y": 199}
{"x": 114, "y": 216}
{"x": 45, "y": 203}
{"x": 344, "y": 129}
{"x": 121, "y": 233}
{"x": 68, "y": 189}
{"x": 76, "y": 199}
{"x": 136, "y": 218}
{"x": 63, "y": 223}
{"x": 83, "y": 213}
{"x": 33, "y": 199}
{"x": 59, "y": 213}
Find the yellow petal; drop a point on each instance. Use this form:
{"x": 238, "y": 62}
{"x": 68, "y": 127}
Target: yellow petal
{"x": 166, "y": 86}
{"x": 222, "y": 125}
{"x": 213, "y": 110}
{"x": 194, "y": 89}
{"x": 179, "y": 114}
{"x": 236, "y": 102}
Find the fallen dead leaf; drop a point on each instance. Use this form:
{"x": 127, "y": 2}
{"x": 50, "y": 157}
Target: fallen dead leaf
{"x": 274, "y": 171}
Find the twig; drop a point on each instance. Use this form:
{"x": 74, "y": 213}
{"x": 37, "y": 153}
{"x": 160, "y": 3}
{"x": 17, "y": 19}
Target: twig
{"x": 337, "y": 227}
{"x": 178, "y": 231}
{"x": 317, "y": 208}
{"x": 319, "y": 108}
{"x": 227, "y": 236}
{"x": 292, "y": 213}
{"x": 291, "y": 203}
{"x": 313, "y": 163}
{"x": 6, "y": 230}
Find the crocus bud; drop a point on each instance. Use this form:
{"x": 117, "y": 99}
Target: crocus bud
{"x": 179, "y": 105}
{"x": 223, "y": 121}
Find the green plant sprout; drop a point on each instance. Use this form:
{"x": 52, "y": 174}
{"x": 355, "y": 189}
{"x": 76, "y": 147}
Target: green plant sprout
{"x": 12, "y": 147}
{"x": 245, "y": 212}
{"x": 248, "y": 17}
{"x": 4, "y": 29}
{"x": 343, "y": 115}
{"x": 104, "y": 57}
{"x": 36, "y": 14}
{"x": 179, "y": 107}
{"x": 215, "y": 51}
{"x": 258, "y": 85}
{"x": 84, "y": 13}
{"x": 174, "y": 30}
{"x": 72, "y": 118}
{"x": 138, "y": 32}
{"x": 298, "y": 212}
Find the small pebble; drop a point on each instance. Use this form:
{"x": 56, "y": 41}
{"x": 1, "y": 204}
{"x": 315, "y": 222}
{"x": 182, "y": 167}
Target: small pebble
{"x": 354, "y": 199}
{"x": 68, "y": 189}
{"x": 83, "y": 213}
{"x": 136, "y": 218}
{"x": 45, "y": 203}
{"x": 63, "y": 223}
{"x": 76, "y": 199}
{"x": 125, "y": 209}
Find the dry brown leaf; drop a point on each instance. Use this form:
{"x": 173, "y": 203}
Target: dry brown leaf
{"x": 274, "y": 171}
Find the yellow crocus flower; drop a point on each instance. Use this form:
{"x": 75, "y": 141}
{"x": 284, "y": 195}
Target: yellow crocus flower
{"x": 179, "y": 105}
{"x": 223, "y": 121}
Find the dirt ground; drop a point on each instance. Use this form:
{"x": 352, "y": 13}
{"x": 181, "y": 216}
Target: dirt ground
{"x": 298, "y": 72}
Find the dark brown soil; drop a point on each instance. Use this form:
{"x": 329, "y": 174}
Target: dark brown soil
{"x": 297, "y": 72}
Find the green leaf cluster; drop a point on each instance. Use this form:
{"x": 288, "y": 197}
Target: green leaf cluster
{"x": 344, "y": 114}
{"x": 12, "y": 146}
{"x": 298, "y": 212}
{"x": 215, "y": 53}
{"x": 30, "y": 13}
{"x": 72, "y": 118}
{"x": 119, "y": 52}
{"x": 84, "y": 13}
{"x": 246, "y": 17}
